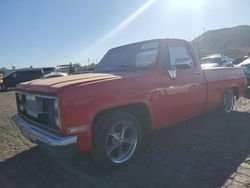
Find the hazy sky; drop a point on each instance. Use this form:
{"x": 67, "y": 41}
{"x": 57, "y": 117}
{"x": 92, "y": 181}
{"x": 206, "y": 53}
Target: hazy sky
{"x": 51, "y": 32}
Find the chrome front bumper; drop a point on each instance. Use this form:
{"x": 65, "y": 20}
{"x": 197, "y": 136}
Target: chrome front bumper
{"x": 35, "y": 134}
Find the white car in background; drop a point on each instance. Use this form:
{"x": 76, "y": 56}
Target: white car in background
{"x": 216, "y": 61}
{"x": 55, "y": 74}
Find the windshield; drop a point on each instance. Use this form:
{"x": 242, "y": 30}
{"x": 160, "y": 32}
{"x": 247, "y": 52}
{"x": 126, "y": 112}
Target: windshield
{"x": 211, "y": 60}
{"x": 132, "y": 57}
{"x": 5, "y": 74}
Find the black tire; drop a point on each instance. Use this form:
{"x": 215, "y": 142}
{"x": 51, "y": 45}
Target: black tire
{"x": 228, "y": 100}
{"x": 103, "y": 151}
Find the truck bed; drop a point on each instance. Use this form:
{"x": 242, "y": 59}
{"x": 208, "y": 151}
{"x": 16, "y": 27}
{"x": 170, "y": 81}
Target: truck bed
{"x": 220, "y": 78}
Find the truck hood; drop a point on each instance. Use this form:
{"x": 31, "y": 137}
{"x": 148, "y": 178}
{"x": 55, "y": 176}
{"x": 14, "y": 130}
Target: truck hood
{"x": 52, "y": 85}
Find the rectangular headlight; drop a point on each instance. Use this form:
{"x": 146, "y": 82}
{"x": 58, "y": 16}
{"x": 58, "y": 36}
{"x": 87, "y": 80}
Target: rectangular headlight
{"x": 53, "y": 114}
{"x": 56, "y": 116}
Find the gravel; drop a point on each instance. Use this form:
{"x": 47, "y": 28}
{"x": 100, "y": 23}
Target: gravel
{"x": 206, "y": 151}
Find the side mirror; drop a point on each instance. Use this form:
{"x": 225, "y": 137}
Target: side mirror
{"x": 183, "y": 63}
{"x": 172, "y": 73}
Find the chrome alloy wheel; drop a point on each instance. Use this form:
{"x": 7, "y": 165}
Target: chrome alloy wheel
{"x": 228, "y": 101}
{"x": 121, "y": 141}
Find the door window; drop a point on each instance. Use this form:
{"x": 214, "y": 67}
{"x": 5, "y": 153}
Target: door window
{"x": 177, "y": 52}
{"x": 14, "y": 75}
{"x": 146, "y": 58}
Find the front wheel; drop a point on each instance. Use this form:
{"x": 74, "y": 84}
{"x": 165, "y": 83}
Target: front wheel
{"x": 228, "y": 101}
{"x": 116, "y": 139}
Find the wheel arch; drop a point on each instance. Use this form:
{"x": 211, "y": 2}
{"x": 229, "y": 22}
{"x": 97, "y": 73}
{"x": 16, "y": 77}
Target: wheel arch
{"x": 236, "y": 91}
{"x": 140, "y": 111}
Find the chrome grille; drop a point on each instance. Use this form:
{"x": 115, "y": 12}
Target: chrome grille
{"x": 40, "y": 109}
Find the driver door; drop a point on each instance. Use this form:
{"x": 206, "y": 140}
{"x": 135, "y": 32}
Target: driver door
{"x": 184, "y": 86}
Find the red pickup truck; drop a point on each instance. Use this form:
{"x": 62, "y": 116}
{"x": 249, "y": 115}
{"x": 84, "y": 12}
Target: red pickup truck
{"x": 134, "y": 88}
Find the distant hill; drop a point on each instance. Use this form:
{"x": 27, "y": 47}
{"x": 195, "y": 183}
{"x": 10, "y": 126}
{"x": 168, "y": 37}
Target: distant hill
{"x": 233, "y": 42}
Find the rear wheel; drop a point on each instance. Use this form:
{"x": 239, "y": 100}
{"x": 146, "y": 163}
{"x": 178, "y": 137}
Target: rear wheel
{"x": 116, "y": 139}
{"x": 228, "y": 101}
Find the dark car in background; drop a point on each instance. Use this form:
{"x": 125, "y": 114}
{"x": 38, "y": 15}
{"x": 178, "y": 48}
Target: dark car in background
{"x": 239, "y": 60}
{"x": 18, "y": 76}
{"x": 216, "y": 61}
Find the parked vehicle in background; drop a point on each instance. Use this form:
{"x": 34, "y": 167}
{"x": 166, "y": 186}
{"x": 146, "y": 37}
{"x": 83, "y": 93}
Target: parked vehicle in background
{"x": 55, "y": 74}
{"x": 246, "y": 65}
{"x": 47, "y": 70}
{"x": 216, "y": 61}
{"x": 87, "y": 70}
{"x": 239, "y": 60}
{"x": 134, "y": 89}
{"x": 19, "y": 76}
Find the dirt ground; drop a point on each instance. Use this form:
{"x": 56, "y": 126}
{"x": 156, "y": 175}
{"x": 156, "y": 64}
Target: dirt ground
{"x": 207, "y": 151}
